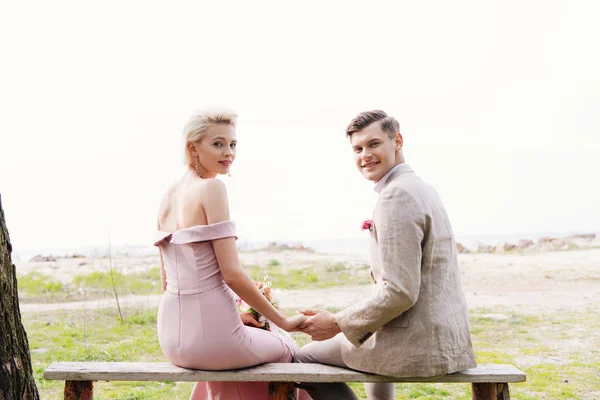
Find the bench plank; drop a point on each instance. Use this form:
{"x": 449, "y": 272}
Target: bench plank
{"x": 285, "y": 372}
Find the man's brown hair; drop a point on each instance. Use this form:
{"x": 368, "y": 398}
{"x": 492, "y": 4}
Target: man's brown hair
{"x": 388, "y": 124}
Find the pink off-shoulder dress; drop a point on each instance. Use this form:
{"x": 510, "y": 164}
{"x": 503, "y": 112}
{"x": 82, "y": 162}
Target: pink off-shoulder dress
{"x": 199, "y": 326}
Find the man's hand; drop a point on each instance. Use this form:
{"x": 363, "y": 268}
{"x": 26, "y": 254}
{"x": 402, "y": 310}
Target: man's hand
{"x": 320, "y": 324}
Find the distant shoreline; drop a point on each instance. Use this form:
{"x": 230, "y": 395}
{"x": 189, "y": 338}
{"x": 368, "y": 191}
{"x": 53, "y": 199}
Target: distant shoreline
{"x": 352, "y": 246}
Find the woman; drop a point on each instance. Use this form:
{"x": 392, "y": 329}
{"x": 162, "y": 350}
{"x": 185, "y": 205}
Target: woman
{"x": 199, "y": 325}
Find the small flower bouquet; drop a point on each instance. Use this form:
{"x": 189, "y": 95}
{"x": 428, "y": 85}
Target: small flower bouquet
{"x": 264, "y": 287}
{"x": 367, "y": 225}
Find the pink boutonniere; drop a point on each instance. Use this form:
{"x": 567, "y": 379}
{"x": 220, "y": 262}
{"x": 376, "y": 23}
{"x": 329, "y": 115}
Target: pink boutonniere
{"x": 367, "y": 224}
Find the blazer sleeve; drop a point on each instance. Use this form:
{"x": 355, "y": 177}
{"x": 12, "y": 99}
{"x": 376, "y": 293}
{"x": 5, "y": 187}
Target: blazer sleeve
{"x": 400, "y": 226}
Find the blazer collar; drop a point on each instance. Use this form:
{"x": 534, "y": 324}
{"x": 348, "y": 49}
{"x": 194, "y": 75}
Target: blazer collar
{"x": 401, "y": 170}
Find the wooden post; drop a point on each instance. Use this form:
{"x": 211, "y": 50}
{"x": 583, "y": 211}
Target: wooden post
{"x": 281, "y": 390}
{"x": 490, "y": 391}
{"x": 79, "y": 390}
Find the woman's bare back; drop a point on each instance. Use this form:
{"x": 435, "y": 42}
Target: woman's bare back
{"x": 182, "y": 206}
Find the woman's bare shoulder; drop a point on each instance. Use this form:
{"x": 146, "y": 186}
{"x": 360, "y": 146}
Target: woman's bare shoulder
{"x": 207, "y": 194}
{"x": 212, "y": 194}
{"x": 203, "y": 190}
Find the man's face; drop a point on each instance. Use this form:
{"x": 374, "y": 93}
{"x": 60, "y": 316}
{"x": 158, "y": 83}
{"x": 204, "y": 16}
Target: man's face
{"x": 374, "y": 152}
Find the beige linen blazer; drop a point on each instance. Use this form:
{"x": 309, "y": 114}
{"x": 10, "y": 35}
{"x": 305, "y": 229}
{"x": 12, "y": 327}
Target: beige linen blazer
{"x": 416, "y": 322}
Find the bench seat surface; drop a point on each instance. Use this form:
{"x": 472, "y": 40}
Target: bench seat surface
{"x": 164, "y": 371}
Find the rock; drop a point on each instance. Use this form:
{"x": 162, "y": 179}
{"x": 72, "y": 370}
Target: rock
{"x": 301, "y": 247}
{"x": 553, "y": 244}
{"x": 525, "y": 243}
{"x": 461, "y": 249}
{"x": 544, "y": 247}
{"x": 40, "y": 258}
{"x": 274, "y": 246}
{"x": 544, "y": 244}
{"x": 479, "y": 247}
{"x": 75, "y": 256}
{"x": 545, "y": 239}
{"x": 588, "y": 236}
{"x": 504, "y": 247}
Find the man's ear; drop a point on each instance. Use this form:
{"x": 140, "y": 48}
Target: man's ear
{"x": 399, "y": 141}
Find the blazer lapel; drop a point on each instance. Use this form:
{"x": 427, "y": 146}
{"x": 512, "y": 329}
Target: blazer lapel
{"x": 374, "y": 244}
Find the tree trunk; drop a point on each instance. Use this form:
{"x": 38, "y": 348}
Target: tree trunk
{"x": 16, "y": 376}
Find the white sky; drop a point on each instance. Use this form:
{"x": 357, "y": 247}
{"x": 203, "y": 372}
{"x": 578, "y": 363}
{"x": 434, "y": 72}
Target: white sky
{"x": 499, "y": 105}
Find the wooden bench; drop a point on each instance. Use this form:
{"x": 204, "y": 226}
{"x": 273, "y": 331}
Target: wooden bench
{"x": 489, "y": 381}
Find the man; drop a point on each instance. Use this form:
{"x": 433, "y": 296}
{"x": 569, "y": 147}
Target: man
{"x": 416, "y": 322}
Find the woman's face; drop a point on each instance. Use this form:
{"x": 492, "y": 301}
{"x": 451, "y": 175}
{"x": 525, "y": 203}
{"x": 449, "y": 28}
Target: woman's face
{"x": 216, "y": 150}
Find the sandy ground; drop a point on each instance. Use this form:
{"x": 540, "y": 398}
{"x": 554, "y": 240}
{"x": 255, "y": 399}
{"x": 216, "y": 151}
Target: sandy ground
{"x": 554, "y": 281}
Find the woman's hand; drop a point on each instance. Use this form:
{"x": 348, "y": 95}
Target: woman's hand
{"x": 292, "y": 324}
{"x": 249, "y": 320}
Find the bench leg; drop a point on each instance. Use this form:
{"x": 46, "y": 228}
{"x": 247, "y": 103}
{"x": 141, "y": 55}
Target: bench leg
{"x": 281, "y": 390}
{"x": 490, "y": 391}
{"x": 79, "y": 390}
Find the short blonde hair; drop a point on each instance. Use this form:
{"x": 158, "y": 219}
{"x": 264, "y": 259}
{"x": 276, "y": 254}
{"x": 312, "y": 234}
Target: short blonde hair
{"x": 198, "y": 124}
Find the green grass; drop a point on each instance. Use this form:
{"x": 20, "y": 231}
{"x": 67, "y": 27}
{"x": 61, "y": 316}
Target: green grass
{"x": 274, "y": 263}
{"x": 146, "y": 282}
{"x": 535, "y": 343}
{"x": 554, "y": 371}
{"x": 98, "y": 336}
{"x": 40, "y": 288}
{"x": 35, "y": 283}
{"x": 314, "y": 276}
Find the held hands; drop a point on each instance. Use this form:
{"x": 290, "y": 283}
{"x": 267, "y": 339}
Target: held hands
{"x": 292, "y": 324}
{"x": 320, "y": 324}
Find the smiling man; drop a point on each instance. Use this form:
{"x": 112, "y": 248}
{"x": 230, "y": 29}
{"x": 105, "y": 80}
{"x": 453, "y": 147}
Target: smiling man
{"x": 416, "y": 322}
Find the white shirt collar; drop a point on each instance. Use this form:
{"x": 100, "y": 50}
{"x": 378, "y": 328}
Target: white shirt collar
{"x": 381, "y": 183}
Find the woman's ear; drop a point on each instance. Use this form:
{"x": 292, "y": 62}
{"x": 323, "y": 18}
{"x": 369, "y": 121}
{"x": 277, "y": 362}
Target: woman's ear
{"x": 191, "y": 146}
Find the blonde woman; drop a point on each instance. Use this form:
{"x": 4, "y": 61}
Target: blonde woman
{"x": 199, "y": 325}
